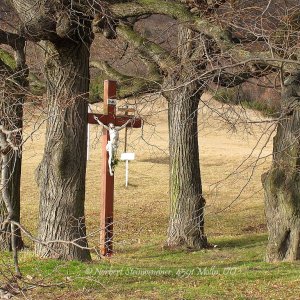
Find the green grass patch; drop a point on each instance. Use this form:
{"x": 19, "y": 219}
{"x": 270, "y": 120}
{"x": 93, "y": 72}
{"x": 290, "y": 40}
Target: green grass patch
{"x": 235, "y": 270}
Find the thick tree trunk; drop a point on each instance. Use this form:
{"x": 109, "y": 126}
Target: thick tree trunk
{"x": 282, "y": 182}
{"x": 11, "y": 109}
{"x": 186, "y": 224}
{"x": 61, "y": 174}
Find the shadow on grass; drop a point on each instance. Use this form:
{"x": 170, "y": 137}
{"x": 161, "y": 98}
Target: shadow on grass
{"x": 223, "y": 243}
{"x": 244, "y": 241}
{"x": 164, "y": 160}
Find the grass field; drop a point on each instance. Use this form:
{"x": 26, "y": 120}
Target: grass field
{"x": 141, "y": 268}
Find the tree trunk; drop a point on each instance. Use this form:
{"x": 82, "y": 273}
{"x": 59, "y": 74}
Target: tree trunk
{"x": 11, "y": 108}
{"x": 14, "y": 167}
{"x": 186, "y": 224}
{"x": 282, "y": 182}
{"x": 61, "y": 174}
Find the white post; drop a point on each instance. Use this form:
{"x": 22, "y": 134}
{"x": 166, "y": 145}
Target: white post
{"x": 126, "y": 173}
{"x": 127, "y": 157}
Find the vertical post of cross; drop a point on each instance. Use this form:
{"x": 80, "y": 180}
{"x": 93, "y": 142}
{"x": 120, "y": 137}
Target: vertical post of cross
{"x": 109, "y": 109}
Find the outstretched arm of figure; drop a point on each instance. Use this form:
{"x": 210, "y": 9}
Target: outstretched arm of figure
{"x": 124, "y": 125}
{"x": 100, "y": 123}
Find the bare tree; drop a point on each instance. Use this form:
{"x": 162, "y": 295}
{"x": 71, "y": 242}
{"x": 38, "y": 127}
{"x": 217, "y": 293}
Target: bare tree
{"x": 7, "y": 145}
{"x": 63, "y": 29}
{"x": 281, "y": 182}
{"x": 13, "y": 83}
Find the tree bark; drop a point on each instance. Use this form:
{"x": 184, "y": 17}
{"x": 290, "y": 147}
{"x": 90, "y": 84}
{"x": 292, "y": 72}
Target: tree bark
{"x": 61, "y": 174}
{"x": 11, "y": 108}
{"x": 186, "y": 223}
{"x": 14, "y": 167}
{"x": 282, "y": 182}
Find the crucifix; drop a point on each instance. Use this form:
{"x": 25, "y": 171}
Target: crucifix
{"x": 110, "y": 122}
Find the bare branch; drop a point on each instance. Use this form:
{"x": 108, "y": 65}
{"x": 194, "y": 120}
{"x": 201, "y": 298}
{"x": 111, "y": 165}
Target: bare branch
{"x": 153, "y": 51}
{"x": 129, "y": 85}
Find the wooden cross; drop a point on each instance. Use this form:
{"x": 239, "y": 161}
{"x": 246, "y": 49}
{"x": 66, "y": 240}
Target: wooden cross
{"x": 107, "y": 199}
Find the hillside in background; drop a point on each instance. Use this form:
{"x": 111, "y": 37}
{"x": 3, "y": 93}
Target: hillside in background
{"x": 124, "y": 58}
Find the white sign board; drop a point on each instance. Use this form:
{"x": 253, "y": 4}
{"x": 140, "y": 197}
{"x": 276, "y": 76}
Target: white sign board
{"x": 112, "y": 101}
{"x": 128, "y": 156}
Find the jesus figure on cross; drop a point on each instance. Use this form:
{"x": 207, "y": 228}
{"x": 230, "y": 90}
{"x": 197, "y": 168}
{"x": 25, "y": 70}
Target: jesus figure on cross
{"x": 113, "y": 143}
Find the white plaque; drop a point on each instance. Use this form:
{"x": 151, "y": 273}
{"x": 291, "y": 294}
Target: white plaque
{"x": 112, "y": 101}
{"x": 128, "y": 156}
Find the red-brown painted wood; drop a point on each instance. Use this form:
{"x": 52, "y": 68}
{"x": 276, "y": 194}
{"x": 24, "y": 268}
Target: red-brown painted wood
{"x": 107, "y": 199}
{"x": 117, "y": 120}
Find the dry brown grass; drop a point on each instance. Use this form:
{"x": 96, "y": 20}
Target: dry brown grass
{"x": 141, "y": 210}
